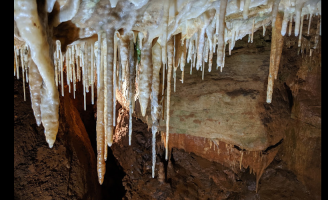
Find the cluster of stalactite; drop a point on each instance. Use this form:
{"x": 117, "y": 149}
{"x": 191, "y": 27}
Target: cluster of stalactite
{"x": 130, "y": 61}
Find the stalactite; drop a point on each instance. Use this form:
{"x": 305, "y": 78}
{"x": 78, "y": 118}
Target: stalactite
{"x": 120, "y": 78}
{"x": 132, "y": 63}
{"x": 230, "y": 47}
{"x": 101, "y": 145}
{"x": 300, "y": 36}
{"x": 104, "y": 80}
{"x": 194, "y": 55}
{"x": 203, "y": 69}
{"x": 223, "y": 6}
{"x": 317, "y": 33}
{"x": 27, "y": 58}
{"x": 124, "y": 53}
{"x": 35, "y": 91}
{"x": 177, "y": 58}
{"x": 166, "y": 9}
{"x": 92, "y": 74}
{"x": 21, "y": 59}
{"x": 290, "y": 25}
{"x": 87, "y": 66}
{"x": 22, "y": 53}
{"x": 200, "y": 47}
{"x": 217, "y": 22}
{"x": 253, "y": 30}
{"x": 260, "y": 172}
{"x": 170, "y": 50}
{"x": 145, "y": 77}
{"x": 246, "y": 7}
{"x": 309, "y": 24}
{"x": 223, "y": 62}
{"x": 88, "y": 54}
{"x": 61, "y": 67}
{"x": 173, "y": 68}
{"x": 109, "y": 82}
{"x": 74, "y": 81}
{"x": 84, "y": 74}
{"x": 190, "y": 50}
{"x": 67, "y": 69}
{"x": 264, "y": 29}
{"x": 183, "y": 58}
{"x": 78, "y": 62}
{"x": 276, "y": 48}
{"x": 70, "y": 64}
{"x": 116, "y": 35}
{"x": 163, "y": 90}
{"x": 298, "y": 10}
{"x": 155, "y": 108}
{"x": 284, "y": 23}
{"x": 17, "y": 57}
{"x": 56, "y": 69}
{"x": 163, "y": 84}
{"x": 280, "y": 43}
{"x": 15, "y": 61}
{"x": 206, "y": 50}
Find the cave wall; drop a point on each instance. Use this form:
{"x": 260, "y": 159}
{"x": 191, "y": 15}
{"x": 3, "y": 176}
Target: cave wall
{"x": 302, "y": 149}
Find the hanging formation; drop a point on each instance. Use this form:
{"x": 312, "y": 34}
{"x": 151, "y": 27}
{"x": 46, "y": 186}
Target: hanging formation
{"x": 129, "y": 62}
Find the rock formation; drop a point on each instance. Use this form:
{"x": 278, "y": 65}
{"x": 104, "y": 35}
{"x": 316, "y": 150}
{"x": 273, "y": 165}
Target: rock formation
{"x": 95, "y": 70}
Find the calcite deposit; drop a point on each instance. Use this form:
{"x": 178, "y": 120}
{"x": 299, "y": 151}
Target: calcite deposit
{"x": 160, "y": 61}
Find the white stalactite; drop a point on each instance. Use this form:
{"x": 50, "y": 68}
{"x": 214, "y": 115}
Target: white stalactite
{"x": 92, "y": 74}
{"x": 145, "y": 77}
{"x": 109, "y": 83}
{"x": 170, "y": 51}
{"x": 223, "y": 6}
{"x": 132, "y": 64}
{"x": 183, "y": 59}
{"x": 100, "y": 128}
{"x": 300, "y": 36}
{"x": 309, "y": 24}
{"x": 114, "y": 77}
{"x": 155, "y": 108}
{"x": 284, "y": 23}
{"x": 200, "y": 48}
{"x": 35, "y": 91}
{"x": 246, "y": 7}
{"x": 30, "y": 29}
{"x": 298, "y": 10}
